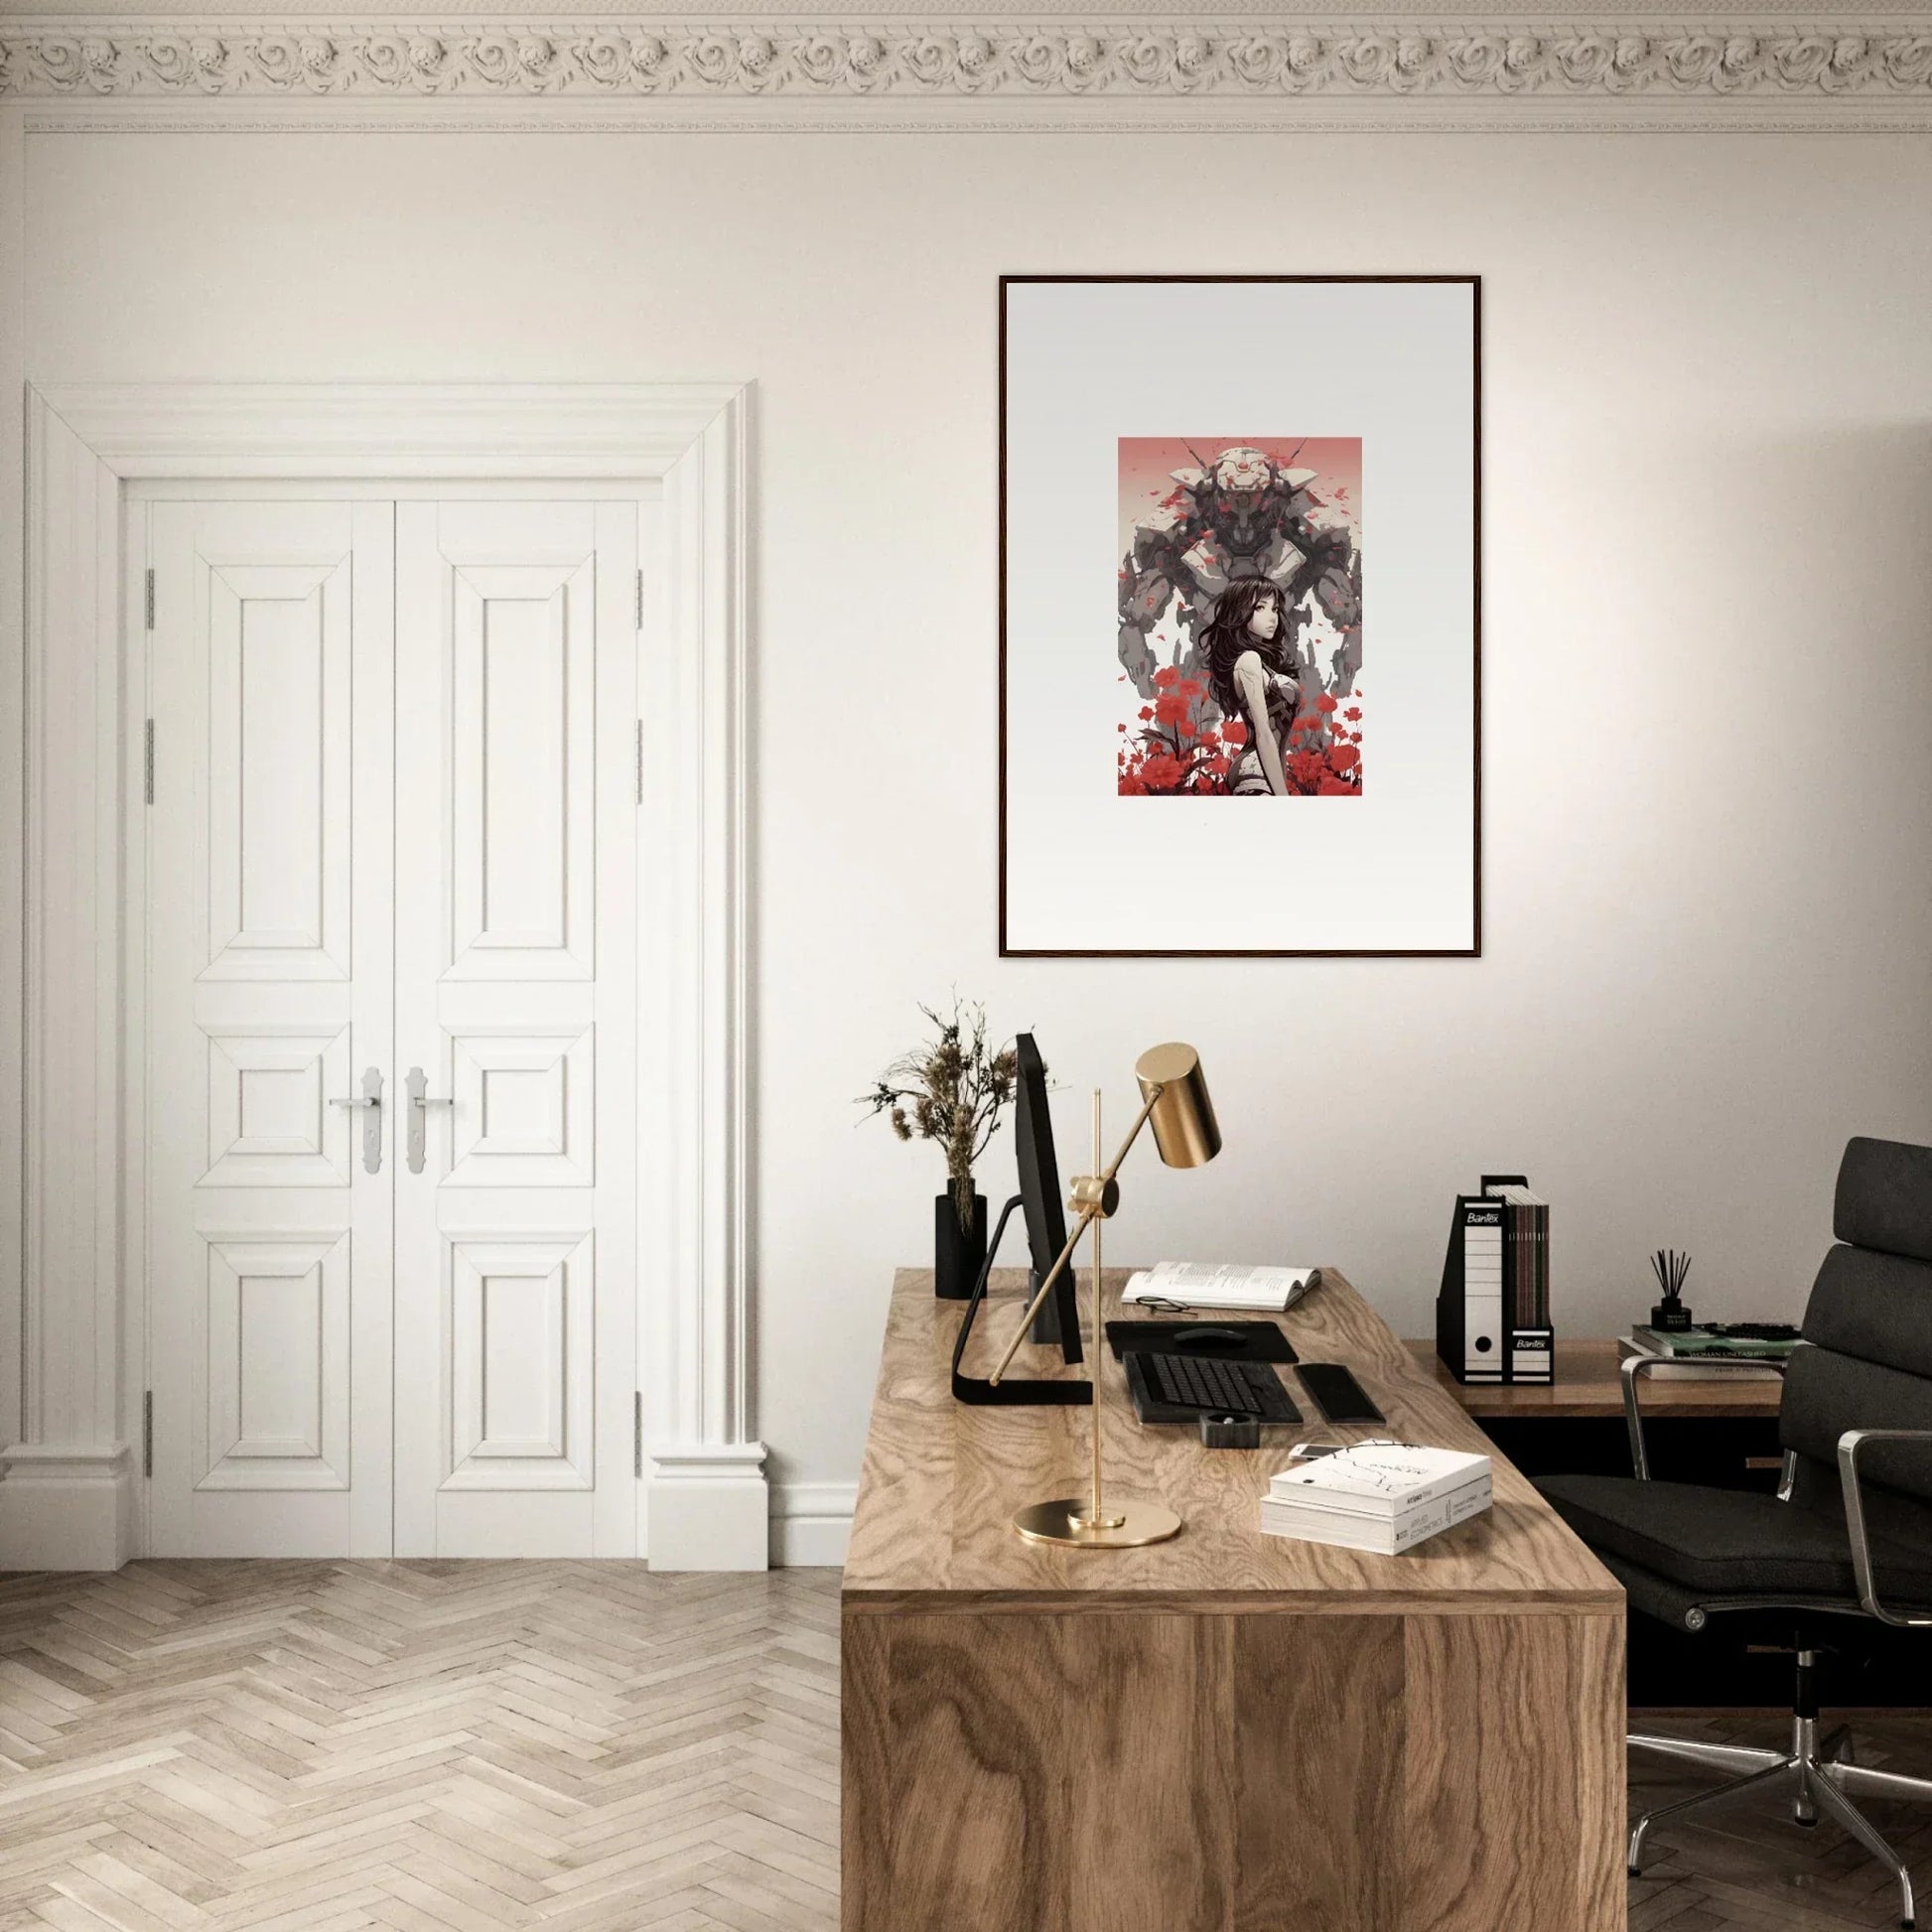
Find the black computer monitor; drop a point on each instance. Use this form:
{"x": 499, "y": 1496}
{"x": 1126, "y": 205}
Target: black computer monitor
{"x": 1039, "y": 1198}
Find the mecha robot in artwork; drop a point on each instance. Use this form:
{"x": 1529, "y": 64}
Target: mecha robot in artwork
{"x": 1244, "y": 514}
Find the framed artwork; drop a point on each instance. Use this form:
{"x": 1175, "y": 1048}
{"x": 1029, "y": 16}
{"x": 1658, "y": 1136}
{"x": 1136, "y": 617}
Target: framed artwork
{"x": 1239, "y": 614}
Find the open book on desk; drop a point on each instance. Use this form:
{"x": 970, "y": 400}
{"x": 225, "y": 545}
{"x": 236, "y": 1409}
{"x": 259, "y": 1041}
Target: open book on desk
{"x": 1208, "y": 1285}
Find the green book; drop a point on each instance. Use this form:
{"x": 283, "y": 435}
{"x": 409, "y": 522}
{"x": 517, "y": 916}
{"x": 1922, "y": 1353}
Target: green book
{"x": 1701, "y": 1341}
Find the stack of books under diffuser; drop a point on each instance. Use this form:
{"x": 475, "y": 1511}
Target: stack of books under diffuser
{"x": 1380, "y": 1496}
{"x": 1705, "y": 1352}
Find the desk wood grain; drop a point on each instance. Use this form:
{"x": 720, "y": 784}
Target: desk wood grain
{"x": 1228, "y": 1733}
{"x": 941, "y": 1482}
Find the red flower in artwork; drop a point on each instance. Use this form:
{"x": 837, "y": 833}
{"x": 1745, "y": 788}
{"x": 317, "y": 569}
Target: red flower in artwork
{"x": 1161, "y": 772}
{"x": 1131, "y": 787}
{"x": 1336, "y": 789}
{"x": 1189, "y": 687}
{"x": 1166, "y": 675}
{"x": 1210, "y": 741}
{"x": 1326, "y": 703}
{"x": 1171, "y": 708}
{"x": 1308, "y": 721}
{"x": 1344, "y": 757}
{"x": 1120, "y": 728}
{"x": 1216, "y": 768}
{"x": 1147, "y": 714}
{"x": 1186, "y": 728}
{"x": 1353, "y": 714}
{"x": 1235, "y": 732}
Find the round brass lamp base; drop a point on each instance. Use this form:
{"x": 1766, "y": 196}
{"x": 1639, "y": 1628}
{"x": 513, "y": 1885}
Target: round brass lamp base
{"x": 1129, "y": 1524}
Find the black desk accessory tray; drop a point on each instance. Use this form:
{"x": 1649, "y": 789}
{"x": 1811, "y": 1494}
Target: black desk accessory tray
{"x": 1229, "y": 1341}
{"x": 1010, "y": 1391}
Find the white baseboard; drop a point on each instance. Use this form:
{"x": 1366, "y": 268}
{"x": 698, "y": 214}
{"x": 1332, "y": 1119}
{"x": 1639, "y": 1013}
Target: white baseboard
{"x": 810, "y": 1523}
{"x": 65, "y": 1508}
{"x": 74, "y": 1509}
{"x": 709, "y": 1507}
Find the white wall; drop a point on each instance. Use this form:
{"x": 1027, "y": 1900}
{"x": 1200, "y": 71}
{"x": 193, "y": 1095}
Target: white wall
{"x": 1708, "y": 453}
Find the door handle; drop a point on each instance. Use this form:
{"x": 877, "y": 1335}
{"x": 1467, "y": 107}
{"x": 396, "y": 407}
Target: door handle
{"x": 370, "y": 1098}
{"x": 420, "y": 1102}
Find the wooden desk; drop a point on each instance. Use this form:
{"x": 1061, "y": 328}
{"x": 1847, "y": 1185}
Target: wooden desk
{"x": 1588, "y": 1385}
{"x": 1227, "y": 1730}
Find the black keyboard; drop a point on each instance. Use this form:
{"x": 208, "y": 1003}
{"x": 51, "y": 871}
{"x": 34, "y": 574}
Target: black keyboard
{"x": 1218, "y": 1387}
{"x": 1752, "y": 1331}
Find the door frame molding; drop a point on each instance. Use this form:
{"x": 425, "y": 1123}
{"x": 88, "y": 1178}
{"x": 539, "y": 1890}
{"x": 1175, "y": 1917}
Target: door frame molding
{"x": 71, "y": 1393}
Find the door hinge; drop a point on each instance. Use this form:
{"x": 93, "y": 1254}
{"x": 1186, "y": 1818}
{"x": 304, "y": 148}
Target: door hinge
{"x": 641, "y": 761}
{"x": 147, "y": 1433}
{"x": 147, "y": 764}
{"x": 150, "y": 596}
{"x": 640, "y": 597}
{"x": 638, "y": 1433}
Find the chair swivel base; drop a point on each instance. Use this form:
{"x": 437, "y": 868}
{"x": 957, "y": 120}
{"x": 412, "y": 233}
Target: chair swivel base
{"x": 1820, "y": 1775}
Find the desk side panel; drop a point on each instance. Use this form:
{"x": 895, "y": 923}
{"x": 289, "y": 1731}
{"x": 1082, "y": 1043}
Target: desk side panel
{"x": 1268, "y": 1773}
{"x": 1319, "y": 1735}
{"x": 1514, "y": 1773}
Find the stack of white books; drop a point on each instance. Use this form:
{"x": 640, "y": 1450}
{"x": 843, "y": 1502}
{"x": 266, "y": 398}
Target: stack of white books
{"x": 1380, "y": 1496}
{"x": 1208, "y": 1285}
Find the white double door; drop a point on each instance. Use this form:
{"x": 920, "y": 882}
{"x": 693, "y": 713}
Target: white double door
{"x": 391, "y": 859}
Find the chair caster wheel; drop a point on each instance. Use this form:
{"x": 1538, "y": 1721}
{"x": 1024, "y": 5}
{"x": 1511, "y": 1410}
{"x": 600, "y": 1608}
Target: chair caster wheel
{"x": 1810, "y": 1823}
{"x": 1633, "y": 1872}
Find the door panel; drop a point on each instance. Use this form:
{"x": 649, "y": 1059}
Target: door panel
{"x": 515, "y": 986}
{"x": 270, "y": 992}
{"x": 523, "y": 768}
{"x": 279, "y": 749}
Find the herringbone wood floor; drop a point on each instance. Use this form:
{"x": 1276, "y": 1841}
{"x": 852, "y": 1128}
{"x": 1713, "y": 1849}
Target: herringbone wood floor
{"x": 462, "y": 1747}
{"x": 430, "y": 1746}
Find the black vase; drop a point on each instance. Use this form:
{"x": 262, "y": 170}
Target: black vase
{"x": 958, "y": 1254}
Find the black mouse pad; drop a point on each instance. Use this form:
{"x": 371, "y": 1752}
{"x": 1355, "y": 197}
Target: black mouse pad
{"x": 1227, "y": 1342}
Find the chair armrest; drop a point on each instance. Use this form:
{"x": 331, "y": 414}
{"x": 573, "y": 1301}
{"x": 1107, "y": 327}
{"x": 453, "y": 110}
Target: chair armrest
{"x": 1848, "y": 1446}
{"x": 1636, "y": 1366}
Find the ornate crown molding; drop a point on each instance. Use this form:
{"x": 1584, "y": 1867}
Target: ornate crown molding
{"x": 1121, "y": 63}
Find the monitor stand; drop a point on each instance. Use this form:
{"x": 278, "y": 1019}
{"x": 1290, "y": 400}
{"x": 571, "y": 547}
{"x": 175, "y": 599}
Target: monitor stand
{"x": 1012, "y": 1390}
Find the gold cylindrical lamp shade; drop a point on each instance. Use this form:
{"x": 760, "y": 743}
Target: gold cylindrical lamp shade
{"x": 1182, "y": 1114}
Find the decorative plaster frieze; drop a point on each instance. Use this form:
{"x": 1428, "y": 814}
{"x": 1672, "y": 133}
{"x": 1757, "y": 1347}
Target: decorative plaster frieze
{"x": 1116, "y": 61}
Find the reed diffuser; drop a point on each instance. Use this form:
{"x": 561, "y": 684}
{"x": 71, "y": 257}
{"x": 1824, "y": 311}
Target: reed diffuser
{"x": 1670, "y": 1314}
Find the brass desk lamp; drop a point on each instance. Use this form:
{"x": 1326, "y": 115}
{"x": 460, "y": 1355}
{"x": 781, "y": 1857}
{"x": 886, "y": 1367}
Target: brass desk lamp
{"x": 1175, "y": 1103}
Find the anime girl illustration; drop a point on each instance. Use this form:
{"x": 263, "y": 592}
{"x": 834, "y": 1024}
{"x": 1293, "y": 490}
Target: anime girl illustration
{"x": 1249, "y": 679}
{"x": 1240, "y": 620}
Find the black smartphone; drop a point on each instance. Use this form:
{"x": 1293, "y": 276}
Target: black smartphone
{"x": 1337, "y": 1393}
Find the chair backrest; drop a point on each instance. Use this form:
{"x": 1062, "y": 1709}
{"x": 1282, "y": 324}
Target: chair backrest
{"x": 1869, "y": 1324}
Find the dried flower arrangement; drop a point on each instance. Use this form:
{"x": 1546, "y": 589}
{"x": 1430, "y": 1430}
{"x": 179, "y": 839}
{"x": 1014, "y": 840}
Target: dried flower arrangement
{"x": 952, "y": 1091}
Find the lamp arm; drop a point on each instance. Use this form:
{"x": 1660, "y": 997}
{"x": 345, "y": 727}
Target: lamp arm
{"x": 1134, "y": 1133}
{"x": 1088, "y": 1215}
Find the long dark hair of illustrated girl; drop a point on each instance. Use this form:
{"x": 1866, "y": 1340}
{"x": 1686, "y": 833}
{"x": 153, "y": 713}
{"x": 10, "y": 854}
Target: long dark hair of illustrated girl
{"x": 1227, "y": 635}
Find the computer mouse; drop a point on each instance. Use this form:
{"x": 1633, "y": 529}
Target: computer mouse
{"x": 1207, "y": 1337}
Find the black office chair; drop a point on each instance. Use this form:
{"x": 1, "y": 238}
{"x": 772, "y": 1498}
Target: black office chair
{"x": 1849, "y": 1536}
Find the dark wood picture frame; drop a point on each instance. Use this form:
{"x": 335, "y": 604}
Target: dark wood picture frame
{"x": 1474, "y": 949}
